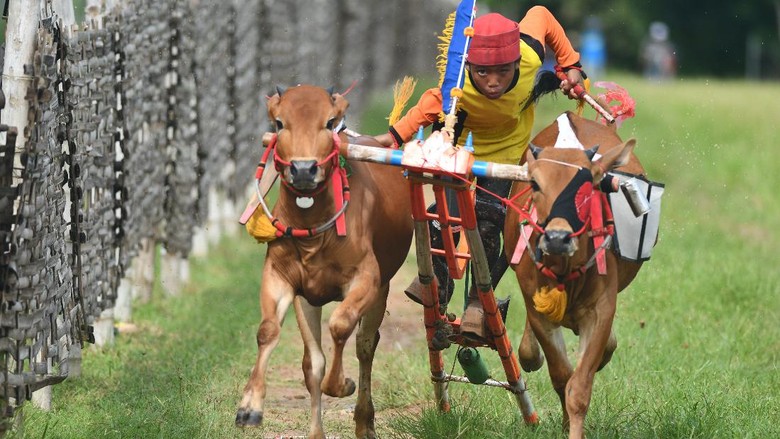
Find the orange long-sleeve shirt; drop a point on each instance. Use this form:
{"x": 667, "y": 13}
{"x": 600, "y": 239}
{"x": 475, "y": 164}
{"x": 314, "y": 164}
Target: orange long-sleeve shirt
{"x": 501, "y": 128}
{"x": 542, "y": 26}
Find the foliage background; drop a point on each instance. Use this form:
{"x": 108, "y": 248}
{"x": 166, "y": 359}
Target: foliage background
{"x": 711, "y": 37}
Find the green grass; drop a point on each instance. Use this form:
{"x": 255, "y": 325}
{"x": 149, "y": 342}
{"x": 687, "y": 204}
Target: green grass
{"x": 698, "y": 339}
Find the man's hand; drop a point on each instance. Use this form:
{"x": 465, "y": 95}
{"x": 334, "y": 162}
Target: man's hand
{"x": 568, "y": 85}
{"x": 386, "y": 140}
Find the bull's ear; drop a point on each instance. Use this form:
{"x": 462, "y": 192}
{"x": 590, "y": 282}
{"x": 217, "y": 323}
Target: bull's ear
{"x": 530, "y": 157}
{"x": 341, "y": 103}
{"x": 273, "y": 106}
{"x": 615, "y": 158}
{"x": 535, "y": 150}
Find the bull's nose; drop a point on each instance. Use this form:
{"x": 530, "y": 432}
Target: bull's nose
{"x": 303, "y": 173}
{"x": 303, "y": 168}
{"x": 558, "y": 242}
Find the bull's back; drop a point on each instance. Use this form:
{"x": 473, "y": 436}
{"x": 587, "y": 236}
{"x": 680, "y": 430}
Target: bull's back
{"x": 590, "y": 133}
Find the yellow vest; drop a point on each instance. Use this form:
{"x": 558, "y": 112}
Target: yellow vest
{"x": 501, "y": 128}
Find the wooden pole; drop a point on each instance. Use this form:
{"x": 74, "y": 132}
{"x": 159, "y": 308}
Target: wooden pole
{"x": 64, "y": 9}
{"x": 93, "y": 10}
{"x": 20, "y": 39}
{"x": 110, "y": 5}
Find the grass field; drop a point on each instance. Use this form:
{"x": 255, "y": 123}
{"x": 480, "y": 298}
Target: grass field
{"x": 698, "y": 333}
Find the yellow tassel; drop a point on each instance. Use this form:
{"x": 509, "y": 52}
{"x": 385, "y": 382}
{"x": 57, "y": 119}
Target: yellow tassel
{"x": 401, "y": 93}
{"x": 581, "y": 102}
{"x": 444, "y": 46}
{"x": 550, "y": 302}
{"x": 260, "y": 227}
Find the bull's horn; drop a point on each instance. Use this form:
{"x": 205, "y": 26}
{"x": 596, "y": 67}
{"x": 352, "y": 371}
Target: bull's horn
{"x": 535, "y": 150}
{"x": 330, "y": 90}
{"x": 591, "y": 152}
{"x": 280, "y": 90}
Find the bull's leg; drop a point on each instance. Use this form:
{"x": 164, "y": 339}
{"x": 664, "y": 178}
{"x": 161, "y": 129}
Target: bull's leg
{"x": 558, "y": 365}
{"x": 275, "y": 297}
{"x": 335, "y": 383}
{"x": 529, "y": 354}
{"x": 595, "y": 328}
{"x": 548, "y": 335}
{"x": 366, "y": 342}
{"x": 362, "y": 295}
{"x": 609, "y": 349}
{"x": 309, "y": 318}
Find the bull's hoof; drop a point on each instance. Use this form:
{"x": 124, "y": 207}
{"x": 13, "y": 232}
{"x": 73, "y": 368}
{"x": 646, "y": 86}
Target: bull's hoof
{"x": 248, "y": 418}
{"x": 348, "y": 389}
{"x": 531, "y": 363}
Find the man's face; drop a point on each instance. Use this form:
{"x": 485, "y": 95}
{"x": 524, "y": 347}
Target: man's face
{"x": 493, "y": 81}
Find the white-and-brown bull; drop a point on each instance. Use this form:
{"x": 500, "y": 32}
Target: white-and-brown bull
{"x": 348, "y": 258}
{"x": 568, "y": 275}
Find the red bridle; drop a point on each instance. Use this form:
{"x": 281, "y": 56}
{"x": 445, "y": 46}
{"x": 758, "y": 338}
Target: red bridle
{"x": 333, "y": 157}
{"x": 339, "y": 185}
{"x": 598, "y": 222}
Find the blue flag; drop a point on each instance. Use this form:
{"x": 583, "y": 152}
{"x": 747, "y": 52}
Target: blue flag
{"x": 456, "y": 52}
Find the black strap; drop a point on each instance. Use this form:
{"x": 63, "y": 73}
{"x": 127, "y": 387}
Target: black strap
{"x": 535, "y": 44}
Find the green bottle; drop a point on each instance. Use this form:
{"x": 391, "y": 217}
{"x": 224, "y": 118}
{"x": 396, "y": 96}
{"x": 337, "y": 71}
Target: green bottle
{"x": 473, "y": 366}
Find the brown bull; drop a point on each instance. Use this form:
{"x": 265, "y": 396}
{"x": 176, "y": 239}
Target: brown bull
{"x": 558, "y": 272}
{"x": 311, "y": 271}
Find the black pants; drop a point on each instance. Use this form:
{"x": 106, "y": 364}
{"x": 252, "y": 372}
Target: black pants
{"x": 490, "y": 223}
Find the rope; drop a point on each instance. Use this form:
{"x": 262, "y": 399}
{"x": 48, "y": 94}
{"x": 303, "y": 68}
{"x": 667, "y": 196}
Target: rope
{"x": 558, "y": 162}
{"x": 349, "y": 89}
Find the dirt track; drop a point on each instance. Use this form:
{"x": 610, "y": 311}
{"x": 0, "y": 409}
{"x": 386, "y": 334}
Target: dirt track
{"x": 287, "y": 402}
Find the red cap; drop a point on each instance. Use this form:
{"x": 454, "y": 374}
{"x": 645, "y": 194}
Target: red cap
{"x": 496, "y": 41}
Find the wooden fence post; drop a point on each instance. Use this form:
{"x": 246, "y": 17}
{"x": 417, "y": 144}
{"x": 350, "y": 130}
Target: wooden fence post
{"x": 20, "y": 37}
{"x": 19, "y": 46}
{"x": 214, "y": 222}
{"x": 143, "y": 271}
{"x": 174, "y": 272}
{"x": 64, "y": 9}
{"x": 200, "y": 242}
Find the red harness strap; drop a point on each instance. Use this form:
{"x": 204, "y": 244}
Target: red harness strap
{"x": 527, "y": 224}
{"x": 340, "y": 189}
{"x": 561, "y": 279}
{"x": 597, "y": 224}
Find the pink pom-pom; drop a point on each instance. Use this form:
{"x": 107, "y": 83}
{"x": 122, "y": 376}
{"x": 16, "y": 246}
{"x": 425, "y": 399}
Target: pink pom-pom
{"x": 624, "y": 109}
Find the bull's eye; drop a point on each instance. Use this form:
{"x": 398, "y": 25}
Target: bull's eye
{"x": 279, "y": 125}
{"x": 535, "y": 186}
{"x": 330, "y": 123}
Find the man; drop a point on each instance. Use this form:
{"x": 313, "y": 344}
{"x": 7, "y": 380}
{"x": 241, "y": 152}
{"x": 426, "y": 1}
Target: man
{"x": 497, "y": 108}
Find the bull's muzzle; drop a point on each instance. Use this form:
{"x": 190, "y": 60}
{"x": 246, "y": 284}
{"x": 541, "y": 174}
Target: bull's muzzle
{"x": 304, "y": 175}
{"x": 558, "y": 243}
